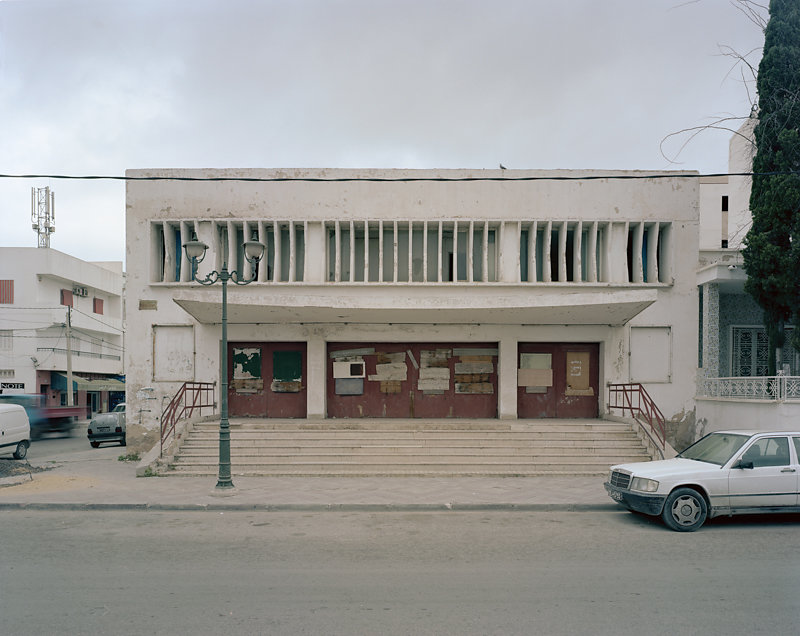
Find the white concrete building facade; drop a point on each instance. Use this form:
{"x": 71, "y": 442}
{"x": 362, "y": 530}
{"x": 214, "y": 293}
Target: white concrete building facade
{"x": 41, "y": 291}
{"x": 734, "y": 388}
{"x": 415, "y": 293}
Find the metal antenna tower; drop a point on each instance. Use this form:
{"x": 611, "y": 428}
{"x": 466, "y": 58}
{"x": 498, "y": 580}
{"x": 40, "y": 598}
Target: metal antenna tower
{"x": 43, "y": 214}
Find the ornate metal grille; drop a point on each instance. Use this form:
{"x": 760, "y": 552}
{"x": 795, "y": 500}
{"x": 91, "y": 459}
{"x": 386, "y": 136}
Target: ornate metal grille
{"x": 778, "y": 388}
{"x": 751, "y": 351}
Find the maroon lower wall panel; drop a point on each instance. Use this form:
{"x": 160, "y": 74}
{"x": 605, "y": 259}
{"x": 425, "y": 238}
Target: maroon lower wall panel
{"x": 416, "y": 396}
{"x": 559, "y": 400}
{"x": 267, "y": 379}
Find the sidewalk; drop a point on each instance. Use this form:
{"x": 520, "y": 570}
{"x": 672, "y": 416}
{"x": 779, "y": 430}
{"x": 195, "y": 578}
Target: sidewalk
{"x": 107, "y": 483}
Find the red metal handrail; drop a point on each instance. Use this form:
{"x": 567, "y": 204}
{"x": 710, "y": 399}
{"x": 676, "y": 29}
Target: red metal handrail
{"x": 634, "y": 398}
{"x": 191, "y": 396}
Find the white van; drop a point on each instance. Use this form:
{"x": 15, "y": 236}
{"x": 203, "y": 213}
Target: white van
{"x": 15, "y": 431}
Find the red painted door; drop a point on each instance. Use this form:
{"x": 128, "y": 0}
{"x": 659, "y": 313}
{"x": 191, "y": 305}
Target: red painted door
{"x": 559, "y": 380}
{"x": 419, "y": 380}
{"x": 267, "y": 379}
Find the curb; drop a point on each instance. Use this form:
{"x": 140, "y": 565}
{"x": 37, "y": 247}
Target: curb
{"x": 14, "y": 480}
{"x": 310, "y": 507}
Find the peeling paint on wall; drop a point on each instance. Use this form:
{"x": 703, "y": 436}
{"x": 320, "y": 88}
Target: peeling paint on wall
{"x": 246, "y": 364}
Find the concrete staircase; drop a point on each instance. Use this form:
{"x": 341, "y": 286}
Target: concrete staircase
{"x": 410, "y": 448}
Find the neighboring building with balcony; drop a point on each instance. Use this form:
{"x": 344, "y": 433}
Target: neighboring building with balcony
{"x": 734, "y": 390}
{"x": 415, "y": 293}
{"x": 53, "y": 308}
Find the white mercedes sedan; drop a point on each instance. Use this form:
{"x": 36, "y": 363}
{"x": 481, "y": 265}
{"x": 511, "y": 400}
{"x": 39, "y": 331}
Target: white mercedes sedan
{"x": 723, "y": 473}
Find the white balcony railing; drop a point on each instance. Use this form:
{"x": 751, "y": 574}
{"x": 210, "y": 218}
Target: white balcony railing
{"x": 778, "y": 388}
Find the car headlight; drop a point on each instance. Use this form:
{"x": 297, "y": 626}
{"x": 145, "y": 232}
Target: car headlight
{"x": 644, "y": 485}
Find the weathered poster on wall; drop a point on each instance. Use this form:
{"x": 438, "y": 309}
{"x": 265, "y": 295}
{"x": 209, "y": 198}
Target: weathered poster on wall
{"x": 247, "y": 370}
{"x": 578, "y": 382}
{"x": 535, "y": 372}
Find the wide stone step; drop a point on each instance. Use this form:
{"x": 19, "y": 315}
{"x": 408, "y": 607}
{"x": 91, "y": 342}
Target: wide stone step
{"x": 412, "y": 435}
{"x": 393, "y": 438}
{"x": 411, "y": 449}
{"x": 382, "y": 470}
{"x": 338, "y": 426}
{"x": 382, "y": 459}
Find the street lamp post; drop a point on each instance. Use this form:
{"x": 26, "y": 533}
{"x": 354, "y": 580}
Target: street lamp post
{"x": 196, "y": 252}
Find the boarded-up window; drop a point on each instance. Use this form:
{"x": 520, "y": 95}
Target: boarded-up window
{"x": 535, "y": 372}
{"x": 287, "y": 371}
{"x": 247, "y": 370}
{"x": 173, "y": 352}
{"x": 6, "y": 292}
{"x": 651, "y": 354}
{"x": 287, "y": 366}
{"x": 66, "y": 297}
{"x": 98, "y": 305}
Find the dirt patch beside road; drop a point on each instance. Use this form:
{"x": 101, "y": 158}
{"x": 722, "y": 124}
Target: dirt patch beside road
{"x": 22, "y": 476}
{"x": 12, "y": 467}
{"x": 52, "y": 483}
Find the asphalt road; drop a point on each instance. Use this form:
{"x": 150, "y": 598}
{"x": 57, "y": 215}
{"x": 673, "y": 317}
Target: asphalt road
{"x": 394, "y": 573}
{"x": 60, "y": 448}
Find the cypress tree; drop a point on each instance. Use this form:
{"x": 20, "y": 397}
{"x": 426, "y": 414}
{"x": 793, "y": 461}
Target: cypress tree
{"x": 772, "y": 245}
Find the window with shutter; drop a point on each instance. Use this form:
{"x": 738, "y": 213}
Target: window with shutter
{"x": 6, "y": 292}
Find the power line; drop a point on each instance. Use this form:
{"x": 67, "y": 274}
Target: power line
{"x": 591, "y": 177}
{"x": 97, "y": 340}
{"x": 105, "y": 324}
{"x": 75, "y": 309}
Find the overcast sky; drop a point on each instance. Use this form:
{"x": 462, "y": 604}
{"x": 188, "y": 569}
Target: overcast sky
{"x": 100, "y": 86}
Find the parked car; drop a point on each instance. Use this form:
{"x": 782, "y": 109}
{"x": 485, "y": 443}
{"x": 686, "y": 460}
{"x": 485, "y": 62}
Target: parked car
{"x": 15, "y": 430}
{"x": 723, "y": 473}
{"x": 108, "y": 427}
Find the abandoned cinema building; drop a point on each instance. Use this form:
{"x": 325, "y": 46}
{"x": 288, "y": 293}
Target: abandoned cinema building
{"x": 414, "y": 293}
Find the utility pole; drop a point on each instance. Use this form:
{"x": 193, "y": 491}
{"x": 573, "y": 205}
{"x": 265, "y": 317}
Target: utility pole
{"x": 69, "y": 356}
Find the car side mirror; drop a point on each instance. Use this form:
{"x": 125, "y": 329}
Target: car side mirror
{"x": 743, "y": 464}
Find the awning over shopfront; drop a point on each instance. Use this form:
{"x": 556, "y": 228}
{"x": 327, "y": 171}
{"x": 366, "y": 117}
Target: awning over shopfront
{"x": 58, "y": 381}
{"x": 422, "y": 304}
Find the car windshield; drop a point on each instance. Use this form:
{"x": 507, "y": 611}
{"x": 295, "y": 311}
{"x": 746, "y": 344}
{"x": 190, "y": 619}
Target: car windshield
{"x": 716, "y": 448}
{"x": 119, "y": 408}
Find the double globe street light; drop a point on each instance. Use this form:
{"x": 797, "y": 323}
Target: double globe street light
{"x": 196, "y": 252}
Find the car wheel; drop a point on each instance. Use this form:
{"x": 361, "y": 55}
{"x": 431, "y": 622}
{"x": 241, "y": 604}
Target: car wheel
{"x": 21, "y": 451}
{"x": 95, "y": 444}
{"x": 685, "y": 510}
{"x": 123, "y": 442}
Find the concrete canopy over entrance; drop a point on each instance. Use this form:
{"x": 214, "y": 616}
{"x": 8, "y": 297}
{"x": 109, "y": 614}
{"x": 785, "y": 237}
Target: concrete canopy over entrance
{"x": 420, "y": 306}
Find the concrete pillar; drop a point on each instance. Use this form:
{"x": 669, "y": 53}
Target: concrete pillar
{"x": 507, "y": 379}
{"x": 710, "y": 333}
{"x": 617, "y": 254}
{"x": 315, "y": 251}
{"x": 315, "y": 376}
{"x": 509, "y": 252}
